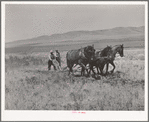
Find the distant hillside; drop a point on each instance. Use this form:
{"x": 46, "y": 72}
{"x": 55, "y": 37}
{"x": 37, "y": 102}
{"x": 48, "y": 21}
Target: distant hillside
{"x": 74, "y": 38}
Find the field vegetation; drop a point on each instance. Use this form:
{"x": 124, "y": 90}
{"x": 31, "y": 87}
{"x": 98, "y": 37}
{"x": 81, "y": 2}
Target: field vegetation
{"x": 30, "y": 86}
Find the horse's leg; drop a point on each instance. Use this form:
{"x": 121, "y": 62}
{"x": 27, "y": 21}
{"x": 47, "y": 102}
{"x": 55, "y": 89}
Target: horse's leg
{"x": 112, "y": 63}
{"x": 102, "y": 67}
{"x": 90, "y": 68}
{"x": 97, "y": 63}
{"x": 70, "y": 69}
{"x": 49, "y": 64}
{"x": 86, "y": 70}
{"x": 69, "y": 66}
{"x": 93, "y": 70}
{"x": 83, "y": 67}
{"x": 101, "y": 70}
{"x": 82, "y": 71}
{"x": 97, "y": 69}
{"x": 107, "y": 68}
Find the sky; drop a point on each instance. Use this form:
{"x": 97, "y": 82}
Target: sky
{"x": 24, "y": 21}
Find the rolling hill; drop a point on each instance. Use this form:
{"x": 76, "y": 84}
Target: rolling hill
{"x": 130, "y": 36}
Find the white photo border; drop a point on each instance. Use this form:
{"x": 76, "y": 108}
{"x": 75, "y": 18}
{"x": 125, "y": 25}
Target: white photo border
{"x": 29, "y": 115}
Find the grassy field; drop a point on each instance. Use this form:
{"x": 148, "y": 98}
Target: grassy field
{"x": 30, "y": 86}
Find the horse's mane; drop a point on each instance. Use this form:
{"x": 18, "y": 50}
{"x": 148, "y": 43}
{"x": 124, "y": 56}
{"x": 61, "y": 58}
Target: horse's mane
{"x": 116, "y": 45}
{"x": 105, "y": 51}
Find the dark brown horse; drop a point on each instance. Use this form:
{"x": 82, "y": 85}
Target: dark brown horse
{"x": 106, "y": 56}
{"x": 99, "y": 63}
{"x": 58, "y": 57}
{"x": 112, "y": 53}
{"x": 80, "y": 57}
{"x": 100, "y": 60}
{"x": 103, "y": 52}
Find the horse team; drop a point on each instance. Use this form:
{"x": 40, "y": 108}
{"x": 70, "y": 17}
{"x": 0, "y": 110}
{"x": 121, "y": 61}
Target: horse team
{"x": 89, "y": 56}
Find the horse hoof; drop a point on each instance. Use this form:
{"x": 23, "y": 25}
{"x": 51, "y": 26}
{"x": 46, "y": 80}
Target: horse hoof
{"x": 111, "y": 72}
{"x": 97, "y": 77}
{"x": 107, "y": 73}
{"x": 87, "y": 76}
{"x": 103, "y": 74}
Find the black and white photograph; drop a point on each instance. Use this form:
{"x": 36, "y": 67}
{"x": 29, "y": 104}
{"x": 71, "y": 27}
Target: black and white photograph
{"x": 74, "y": 61}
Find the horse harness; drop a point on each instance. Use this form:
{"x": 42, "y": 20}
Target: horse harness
{"x": 82, "y": 54}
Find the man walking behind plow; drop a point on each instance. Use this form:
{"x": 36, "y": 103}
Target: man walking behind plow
{"x": 53, "y": 62}
{"x": 58, "y": 57}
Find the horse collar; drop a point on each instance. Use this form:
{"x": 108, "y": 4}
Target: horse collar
{"x": 82, "y": 54}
